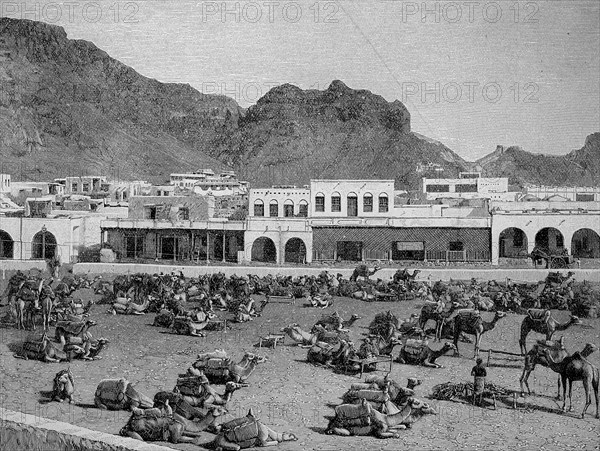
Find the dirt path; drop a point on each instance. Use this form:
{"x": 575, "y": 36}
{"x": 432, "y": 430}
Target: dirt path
{"x": 289, "y": 394}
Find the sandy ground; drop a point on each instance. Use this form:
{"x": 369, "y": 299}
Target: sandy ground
{"x": 289, "y": 394}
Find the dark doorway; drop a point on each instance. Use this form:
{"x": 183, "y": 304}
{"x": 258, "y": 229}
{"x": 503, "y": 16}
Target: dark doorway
{"x": 295, "y": 251}
{"x": 6, "y": 245}
{"x": 585, "y": 244}
{"x": 169, "y": 247}
{"x": 349, "y": 250}
{"x": 549, "y": 239}
{"x": 43, "y": 245}
{"x": 134, "y": 246}
{"x": 263, "y": 250}
{"x": 408, "y": 250}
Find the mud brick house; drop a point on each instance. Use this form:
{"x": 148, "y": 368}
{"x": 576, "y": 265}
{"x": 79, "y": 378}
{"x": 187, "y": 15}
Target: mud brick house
{"x": 173, "y": 228}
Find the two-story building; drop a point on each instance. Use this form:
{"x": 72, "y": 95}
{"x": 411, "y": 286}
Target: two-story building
{"x": 469, "y": 185}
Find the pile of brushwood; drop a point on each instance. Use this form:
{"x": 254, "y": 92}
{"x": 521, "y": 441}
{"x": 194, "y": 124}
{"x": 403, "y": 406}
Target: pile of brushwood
{"x": 449, "y": 391}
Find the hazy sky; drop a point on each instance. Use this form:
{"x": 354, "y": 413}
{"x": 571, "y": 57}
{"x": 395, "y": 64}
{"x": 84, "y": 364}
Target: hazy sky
{"x": 473, "y": 74}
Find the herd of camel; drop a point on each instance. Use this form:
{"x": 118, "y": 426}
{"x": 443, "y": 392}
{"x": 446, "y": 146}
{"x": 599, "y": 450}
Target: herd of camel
{"x": 382, "y": 406}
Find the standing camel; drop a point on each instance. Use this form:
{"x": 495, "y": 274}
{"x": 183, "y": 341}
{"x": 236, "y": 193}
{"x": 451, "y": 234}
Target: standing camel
{"x": 471, "y": 322}
{"x": 440, "y": 316}
{"x": 542, "y": 322}
{"x": 364, "y": 271}
{"x": 576, "y": 368}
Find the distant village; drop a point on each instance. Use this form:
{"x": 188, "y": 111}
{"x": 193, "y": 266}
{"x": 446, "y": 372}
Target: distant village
{"x": 202, "y": 217}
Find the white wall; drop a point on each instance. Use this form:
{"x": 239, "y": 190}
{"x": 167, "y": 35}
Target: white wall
{"x": 280, "y": 195}
{"x": 345, "y": 187}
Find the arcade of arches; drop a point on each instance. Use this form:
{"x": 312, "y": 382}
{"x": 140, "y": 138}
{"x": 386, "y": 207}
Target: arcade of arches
{"x": 513, "y": 242}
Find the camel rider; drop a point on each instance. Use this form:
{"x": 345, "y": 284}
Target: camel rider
{"x": 479, "y": 374}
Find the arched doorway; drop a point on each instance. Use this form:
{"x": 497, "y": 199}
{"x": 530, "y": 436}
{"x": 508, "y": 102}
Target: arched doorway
{"x": 585, "y": 244}
{"x": 263, "y": 250}
{"x": 550, "y": 240}
{"x": 295, "y": 251}
{"x": 43, "y": 245}
{"x": 6, "y": 245}
{"x": 512, "y": 243}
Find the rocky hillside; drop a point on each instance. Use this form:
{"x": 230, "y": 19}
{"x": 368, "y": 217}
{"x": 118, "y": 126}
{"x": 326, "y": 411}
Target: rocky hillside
{"x": 293, "y": 135}
{"x": 67, "y": 107}
{"x": 579, "y": 167}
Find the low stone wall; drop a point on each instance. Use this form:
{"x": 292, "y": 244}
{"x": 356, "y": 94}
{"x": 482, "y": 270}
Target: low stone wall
{"x": 517, "y": 274}
{"x": 20, "y": 431}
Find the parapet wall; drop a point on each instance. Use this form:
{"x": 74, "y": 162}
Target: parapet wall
{"x": 21, "y": 431}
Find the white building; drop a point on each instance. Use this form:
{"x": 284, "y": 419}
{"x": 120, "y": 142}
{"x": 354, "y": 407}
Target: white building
{"x": 351, "y": 198}
{"x": 205, "y": 182}
{"x": 469, "y": 185}
{"x": 4, "y": 183}
{"x": 564, "y": 193}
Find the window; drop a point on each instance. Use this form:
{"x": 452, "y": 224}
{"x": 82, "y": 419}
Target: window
{"x": 584, "y": 197}
{"x": 352, "y": 206}
{"x": 518, "y": 238}
{"x": 150, "y": 212}
{"x": 259, "y": 208}
{"x": 86, "y": 187}
{"x": 560, "y": 242}
{"x": 183, "y": 214}
{"x": 73, "y": 186}
{"x": 303, "y": 208}
{"x": 288, "y": 210}
{"x": 336, "y": 202}
{"x": 274, "y": 209}
{"x": 368, "y": 203}
{"x": 466, "y": 188}
{"x": 437, "y": 188}
{"x": 456, "y": 246}
{"x": 320, "y": 202}
{"x": 383, "y": 203}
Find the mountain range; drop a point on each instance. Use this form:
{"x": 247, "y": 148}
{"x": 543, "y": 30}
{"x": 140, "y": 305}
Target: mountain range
{"x": 68, "y": 108}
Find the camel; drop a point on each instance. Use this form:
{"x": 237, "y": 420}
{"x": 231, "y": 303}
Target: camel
{"x": 380, "y": 392}
{"x": 363, "y": 419}
{"x": 432, "y": 311}
{"x": 43, "y": 350}
{"x": 558, "y": 352}
{"x": 46, "y": 312}
{"x": 63, "y": 386}
{"x": 417, "y": 352}
{"x": 222, "y": 369}
{"x": 404, "y": 276}
{"x": 385, "y": 324}
{"x": 86, "y": 349}
{"x": 334, "y": 322}
{"x": 202, "y": 395}
{"x": 126, "y": 306}
{"x": 383, "y": 346}
{"x": 328, "y": 336}
{"x": 542, "y": 322}
{"x": 119, "y": 394}
{"x": 471, "y": 322}
{"x": 184, "y": 325}
{"x": 66, "y": 330}
{"x": 25, "y": 296}
{"x": 248, "y": 432}
{"x": 156, "y": 424}
{"x": 301, "y": 337}
{"x": 326, "y": 354}
{"x": 364, "y": 271}
{"x": 577, "y": 368}
{"x": 535, "y": 356}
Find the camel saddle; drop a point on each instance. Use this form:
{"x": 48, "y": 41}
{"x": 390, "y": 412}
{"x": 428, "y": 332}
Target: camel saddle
{"x": 28, "y": 294}
{"x": 414, "y": 346}
{"x": 538, "y": 315}
{"x": 353, "y": 415}
{"x": 34, "y": 347}
{"x": 112, "y": 392}
{"x": 71, "y": 327}
{"x": 243, "y": 431}
{"x": 471, "y": 317}
{"x": 190, "y": 385}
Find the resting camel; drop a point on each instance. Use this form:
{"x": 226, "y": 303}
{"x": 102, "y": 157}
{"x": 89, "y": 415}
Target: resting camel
{"x": 248, "y": 432}
{"x": 63, "y": 386}
{"x": 222, "y": 369}
{"x": 334, "y": 322}
{"x": 417, "y": 352}
{"x": 44, "y": 350}
{"x": 577, "y": 368}
{"x": 363, "y": 419}
{"x": 471, "y": 322}
{"x": 542, "y": 322}
{"x": 156, "y": 424}
{"x": 364, "y": 271}
{"x": 300, "y": 336}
